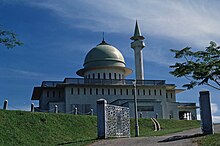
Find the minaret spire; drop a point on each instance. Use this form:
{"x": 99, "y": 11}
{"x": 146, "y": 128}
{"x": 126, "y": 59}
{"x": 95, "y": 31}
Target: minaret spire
{"x": 137, "y": 33}
{"x": 138, "y": 45}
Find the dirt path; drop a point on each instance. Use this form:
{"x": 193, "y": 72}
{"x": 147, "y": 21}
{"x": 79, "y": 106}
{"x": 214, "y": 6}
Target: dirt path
{"x": 154, "y": 141}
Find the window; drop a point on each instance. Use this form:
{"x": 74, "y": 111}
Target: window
{"x": 59, "y": 94}
{"x": 72, "y": 91}
{"x": 78, "y": 90}
{"x": 104, "y": 77}
{"x": 84, "y": 91}
{"x": 48, "y": 93}
{"x": 103, "y": 92}
{"x": 108, "y": 91}
{"x": 126, "y": 91}
{"x": 110, "y": 76}
{"x": 115, "y": 75}
{"x": 53, "y": 93}
{"x": 145, "y": 108}
{"x": 119, "y": 76}
{"x": 132, "y": 91}
{"x": 89, "y": 76}
{"x": 166, "y": 95}
{"x": 114, "y": 91}
{"x": 90, "y": 91}
{"x": 160, "y": 92}
{"x": 98, "y": 75}
{"x": 93, "y": 76}
{"x": 149, "y": 92}
{"x": 143, "y": 92}
{"x": 138, "y": 92}
{"x": 97, "y": 91}
{"x": 171, "y": 95}
{"x": 121, "y": 91}
{"x": 155, "y": 92}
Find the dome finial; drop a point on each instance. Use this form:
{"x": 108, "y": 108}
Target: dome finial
{"x": 103, "y": 39}
{"x": 103, "y": 36}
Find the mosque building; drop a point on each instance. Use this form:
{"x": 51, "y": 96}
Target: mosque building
{"x": 104, "y": 76}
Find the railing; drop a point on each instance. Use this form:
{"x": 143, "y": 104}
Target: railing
{"x": 102, "y": 82}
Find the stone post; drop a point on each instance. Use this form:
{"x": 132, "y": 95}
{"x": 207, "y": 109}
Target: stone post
{"x": 55, "y": 109}
{"x": 141, "y": 114}
{"x": 101, "y": 118}
{"x": 205, "y": 112}
{"x": 75, "y": 111}
{"x": 91, "y": 112}
{"x": 32, "y": 107}
{"x": 5, "y": 106}
{"x": 156, "y": 115}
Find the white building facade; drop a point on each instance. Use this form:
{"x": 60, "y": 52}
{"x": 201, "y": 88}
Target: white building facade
{"x": 104, "y": 76}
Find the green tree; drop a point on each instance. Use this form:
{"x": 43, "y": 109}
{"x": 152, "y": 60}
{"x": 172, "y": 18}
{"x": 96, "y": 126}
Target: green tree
{"x": 199, "y": 67}
{"x": 9, "y": 39}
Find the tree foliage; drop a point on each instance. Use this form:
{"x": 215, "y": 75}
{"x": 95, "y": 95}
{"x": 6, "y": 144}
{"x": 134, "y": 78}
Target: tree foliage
{"x": 9, "y": 39}
{"x": 200, "y": 67}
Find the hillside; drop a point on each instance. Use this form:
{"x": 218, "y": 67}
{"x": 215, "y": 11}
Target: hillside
{"x": 25, "y": 128}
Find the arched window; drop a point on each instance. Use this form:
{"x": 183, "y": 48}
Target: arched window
{"x": 93, "y": 76}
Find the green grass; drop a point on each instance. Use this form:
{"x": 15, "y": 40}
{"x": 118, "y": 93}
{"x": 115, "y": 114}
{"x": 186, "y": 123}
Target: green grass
{"x": 25, "y": 128}
{"x": 210, "y": 140}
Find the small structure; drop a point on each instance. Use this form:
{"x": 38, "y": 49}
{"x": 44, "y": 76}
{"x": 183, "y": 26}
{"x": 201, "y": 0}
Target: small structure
{"x": 113, "y": 121}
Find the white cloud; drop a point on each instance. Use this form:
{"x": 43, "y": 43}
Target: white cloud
{"x": 196, "y": 22}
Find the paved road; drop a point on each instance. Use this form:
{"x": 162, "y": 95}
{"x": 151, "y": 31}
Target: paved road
{"x": 154, "y": 141}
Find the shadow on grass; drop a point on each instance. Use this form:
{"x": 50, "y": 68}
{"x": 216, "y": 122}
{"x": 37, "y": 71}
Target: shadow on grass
{"x": 78, "y": 141}
{"x": 180, "y": 137}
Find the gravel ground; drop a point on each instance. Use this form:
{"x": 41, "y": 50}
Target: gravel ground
{"x": 154, "y": 141}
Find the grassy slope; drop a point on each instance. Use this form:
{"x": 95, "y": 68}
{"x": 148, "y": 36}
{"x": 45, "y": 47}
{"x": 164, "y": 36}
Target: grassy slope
{"x": 210, "y": 140}
{"x": 25, "y": 128}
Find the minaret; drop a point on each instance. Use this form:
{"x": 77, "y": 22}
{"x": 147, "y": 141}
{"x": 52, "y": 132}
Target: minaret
{"x": 138, "y": 45}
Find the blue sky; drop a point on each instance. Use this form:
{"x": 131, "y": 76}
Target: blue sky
{"x": 57, "y": 34}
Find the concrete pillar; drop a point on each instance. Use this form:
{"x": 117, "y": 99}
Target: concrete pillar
{"x": 101, "y": 118}
{"x": 75, "y": 111}
{"x": 205, "y": 112}
{"x": 55, "y": 109}
{"x": 141, "y": 114}
{"x": 91, "y": 112}
{"x": 5, "y": 106}
{"x": 32, "y": 107}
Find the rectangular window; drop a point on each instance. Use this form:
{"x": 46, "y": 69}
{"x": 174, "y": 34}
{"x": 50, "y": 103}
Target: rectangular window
{"x": 103, "y": 91}
{"x": 166, "y": 95}
{"x": 114, "y": 91}
{"x": 78, "y": 90}
{"x": 108, "y": 91}
{"x": 143, "y": 92}
{"x": 149, "y": 92}
{"x": 171, "y": 95}
{"x": 53, "y": 93}
{"x": 126, "y": 91}
{"x": 145, "y": 108}
{"x": 155, "y": 92}
{"x": 110, "y": 76}
{"x": 97, "y": 91}
{"x": 72, "y": 91}
{"x": 84, "y": 91}
{"x": 48, "y": 93}
{"x": 138, "y": 92}
{"x": 90, "y": 91}
{"x": 121, "y": 91}
{"x": 160, "y": 92}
